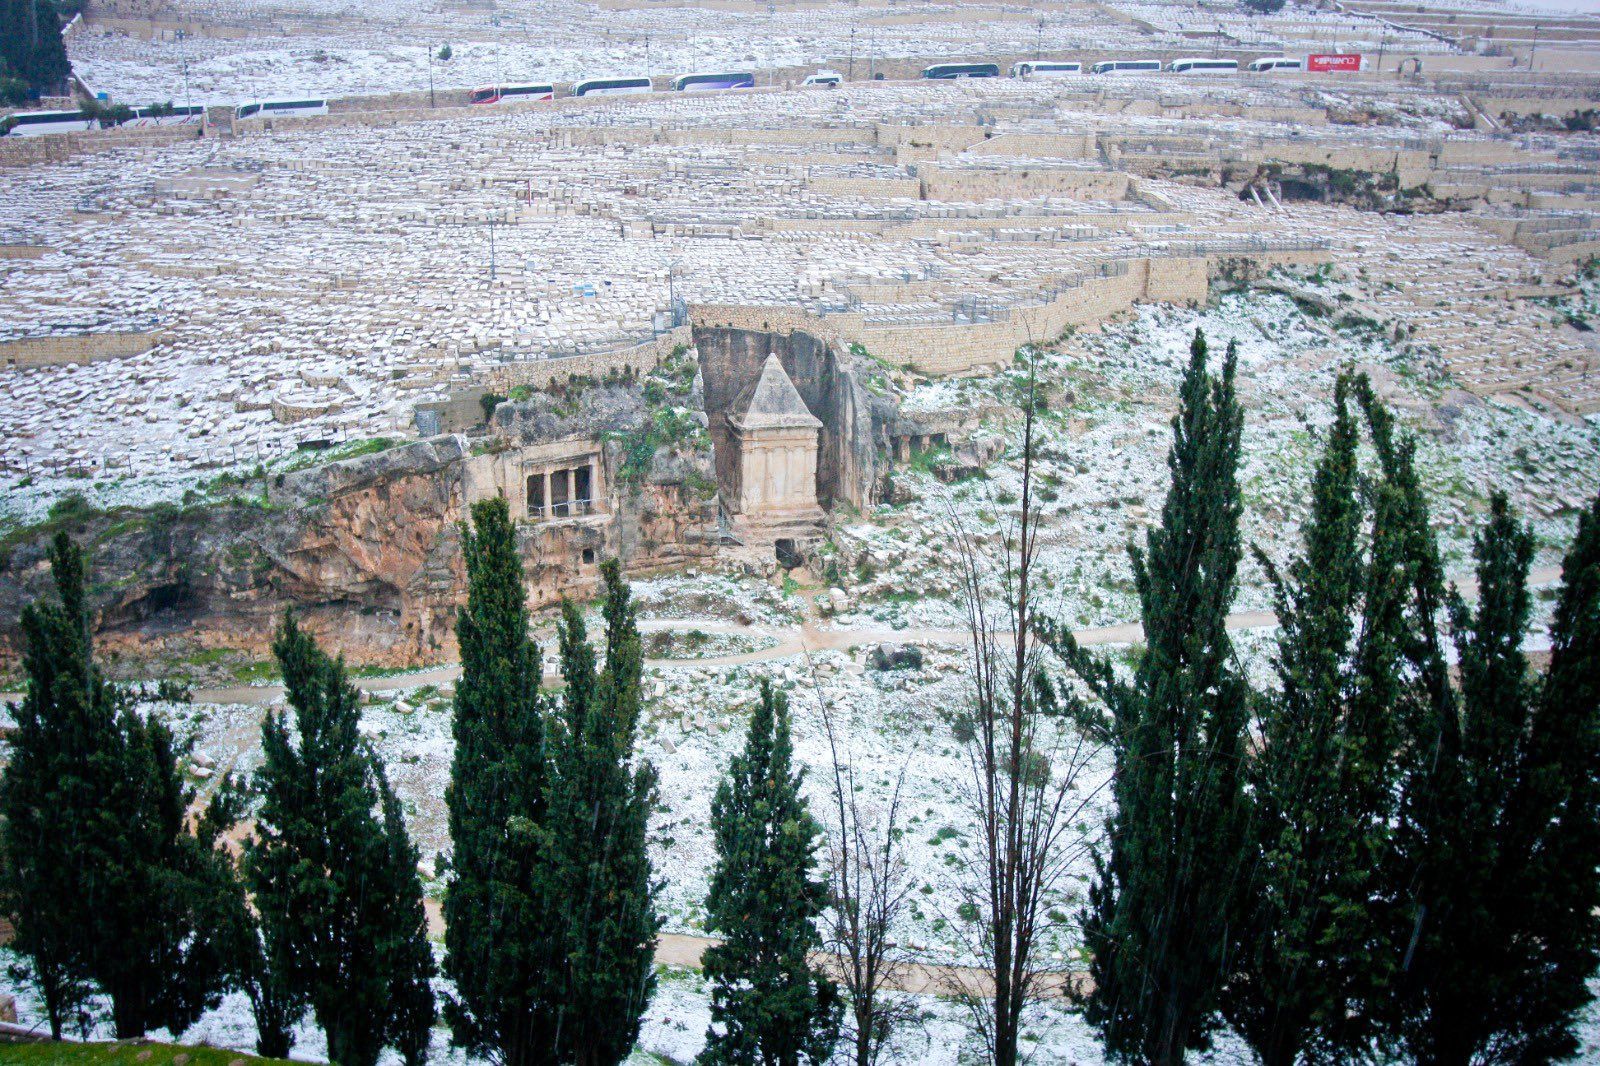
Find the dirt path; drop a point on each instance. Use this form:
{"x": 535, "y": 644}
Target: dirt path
{"x": 683, "y": 951}
{"x": 791, "y": 641}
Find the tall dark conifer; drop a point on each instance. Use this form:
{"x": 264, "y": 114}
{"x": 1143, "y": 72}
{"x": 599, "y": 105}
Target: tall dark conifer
{"x": 503, "y": 950}
{"x": 598, "y": 817}
{"x": 768, "y": 1005}
{"x": 1317, "y": 943}
{"x": 1558, "y": 811}
{"x": 108, "y": 886}
{"x": 31, "y": 45}
{"x": 259, "y": 947}
{"x": 1494, "y": 864}
{"x": 152, "y": 945}
{"x": 64, "y": 763}
{"x": 326, "y": 868}
{"x": 1497, "y": 842}
{"x": 1168, "y": 888}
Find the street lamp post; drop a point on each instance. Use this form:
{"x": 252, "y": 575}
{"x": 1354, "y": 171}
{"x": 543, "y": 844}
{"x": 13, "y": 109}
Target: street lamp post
{"x": 430, "y": 74}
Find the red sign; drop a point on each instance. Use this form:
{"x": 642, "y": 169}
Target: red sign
{"x": 1347, "y": 62}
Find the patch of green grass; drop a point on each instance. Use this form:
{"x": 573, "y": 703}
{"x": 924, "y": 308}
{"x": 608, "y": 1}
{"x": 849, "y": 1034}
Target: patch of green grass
{"x": 256, "y": 673}
{"x": 123, "y": 1053}
{"x": 349, "y": 450}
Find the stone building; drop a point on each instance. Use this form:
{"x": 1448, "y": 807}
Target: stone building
{"x": 776, "y": 437}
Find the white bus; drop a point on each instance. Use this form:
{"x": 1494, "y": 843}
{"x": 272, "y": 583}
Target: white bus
{"x": 281, "y": 109}
{"x": 1276, "y": 63}
{"x": 827, "y": 79}
{"x": 493, "y": 94}
{"x": 154, "y": 115}
{"x": 612, "y": 86}
{"x": 1117, "y": 66}
{"x": 35, "y": 123}
{"x": 705, "y": 83}
{"x": 1040, "y": 69}
{"x": 1204, "y": 66}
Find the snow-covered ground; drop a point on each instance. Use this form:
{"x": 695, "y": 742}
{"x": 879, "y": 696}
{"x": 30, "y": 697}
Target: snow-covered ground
{"x": 1101, "y": 460}
{"x": 1101, "y": 469}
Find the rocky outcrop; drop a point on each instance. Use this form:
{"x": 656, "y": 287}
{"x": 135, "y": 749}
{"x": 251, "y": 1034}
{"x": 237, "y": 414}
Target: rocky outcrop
{"x": 828, "y": 381}
{"x": 365, "y": 550}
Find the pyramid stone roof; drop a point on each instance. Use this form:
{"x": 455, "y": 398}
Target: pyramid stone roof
{"x": 772, "y": 402}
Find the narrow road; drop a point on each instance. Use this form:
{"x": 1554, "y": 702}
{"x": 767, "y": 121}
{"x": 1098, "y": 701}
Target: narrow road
{"x": 683, "y": 951}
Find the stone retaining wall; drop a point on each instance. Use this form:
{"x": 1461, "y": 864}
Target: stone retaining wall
{"x": 26, "y": 151}
{"x": 74, "y": 348}
{"x": 542, "y": 373}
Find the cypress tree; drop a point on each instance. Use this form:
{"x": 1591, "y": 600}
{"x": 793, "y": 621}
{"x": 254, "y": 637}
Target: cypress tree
{"x": 1497, "y": 843}
{"x": 31, "y": 46}
{"x": 259, "y": 946}
{"x": 1317, "y": 940}
{"x": 1161, "y": 911}
{"x": 1498, "y": 826}
{"x": 1558, "y": 809}
{"x": 598, "y": 817}
{"x": 64, "y": 762}
{"x": 151, "y": 944}
{"x": 768, "y": 1005}
{"x": 108, "y": 886}
{"x": 325, "y": 869}
{"x": 410, "y": 997}
{"x": 502, "y": 949}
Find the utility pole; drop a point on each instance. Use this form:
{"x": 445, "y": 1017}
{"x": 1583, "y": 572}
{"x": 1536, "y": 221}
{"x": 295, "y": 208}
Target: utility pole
{"x": 183, "y": 53}
{"x": 1383, "y": 43}
{"x": 1038, "y": 40}
{"x": 1534, "y": 50}
{"x": 430, "y": 75}
{"x": 850, "y": 71}
{"x": 872, "y": 55}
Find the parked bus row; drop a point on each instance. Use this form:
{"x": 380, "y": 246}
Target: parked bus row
{"x": 1200, "y": 65}
{"x": 33, "y": 123}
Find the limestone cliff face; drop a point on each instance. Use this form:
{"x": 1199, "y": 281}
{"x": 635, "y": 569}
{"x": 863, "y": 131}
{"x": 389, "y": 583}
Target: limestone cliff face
{"x": 848, "y": 465}
{"x": 366, "y": 551}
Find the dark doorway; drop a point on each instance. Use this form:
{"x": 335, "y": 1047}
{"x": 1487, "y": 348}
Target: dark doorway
{"x": 559, "y": 496}
{"x": 581, "y": 496}
{"x": 788, "y": 554}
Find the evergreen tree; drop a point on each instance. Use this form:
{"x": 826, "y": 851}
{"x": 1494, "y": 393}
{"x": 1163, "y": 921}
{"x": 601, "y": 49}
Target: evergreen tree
{"x": 1167, "y": 892}
{"x": 31, "y": 46}
{"x": 411, "y": 1007}
{"x": 502, "y": 948}
{"x": 152, "y": 945}
{"x": 768, "y": 1005}
{"x": 325, "y": 869}
{"x": 598, "y": 817}
{"x": 1558, "y": 819}
{"x": 1497, "y": 842}
{"x": 64, "y": 762}
{"x": 1317, "y": 941}
{"x": 1498, "y": 827}
{"x": 259, "y": 947}
{"x": 108, "y": 886}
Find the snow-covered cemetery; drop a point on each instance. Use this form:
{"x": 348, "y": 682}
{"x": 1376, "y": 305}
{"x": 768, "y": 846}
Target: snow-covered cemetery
{"x": 970, "y": 470}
